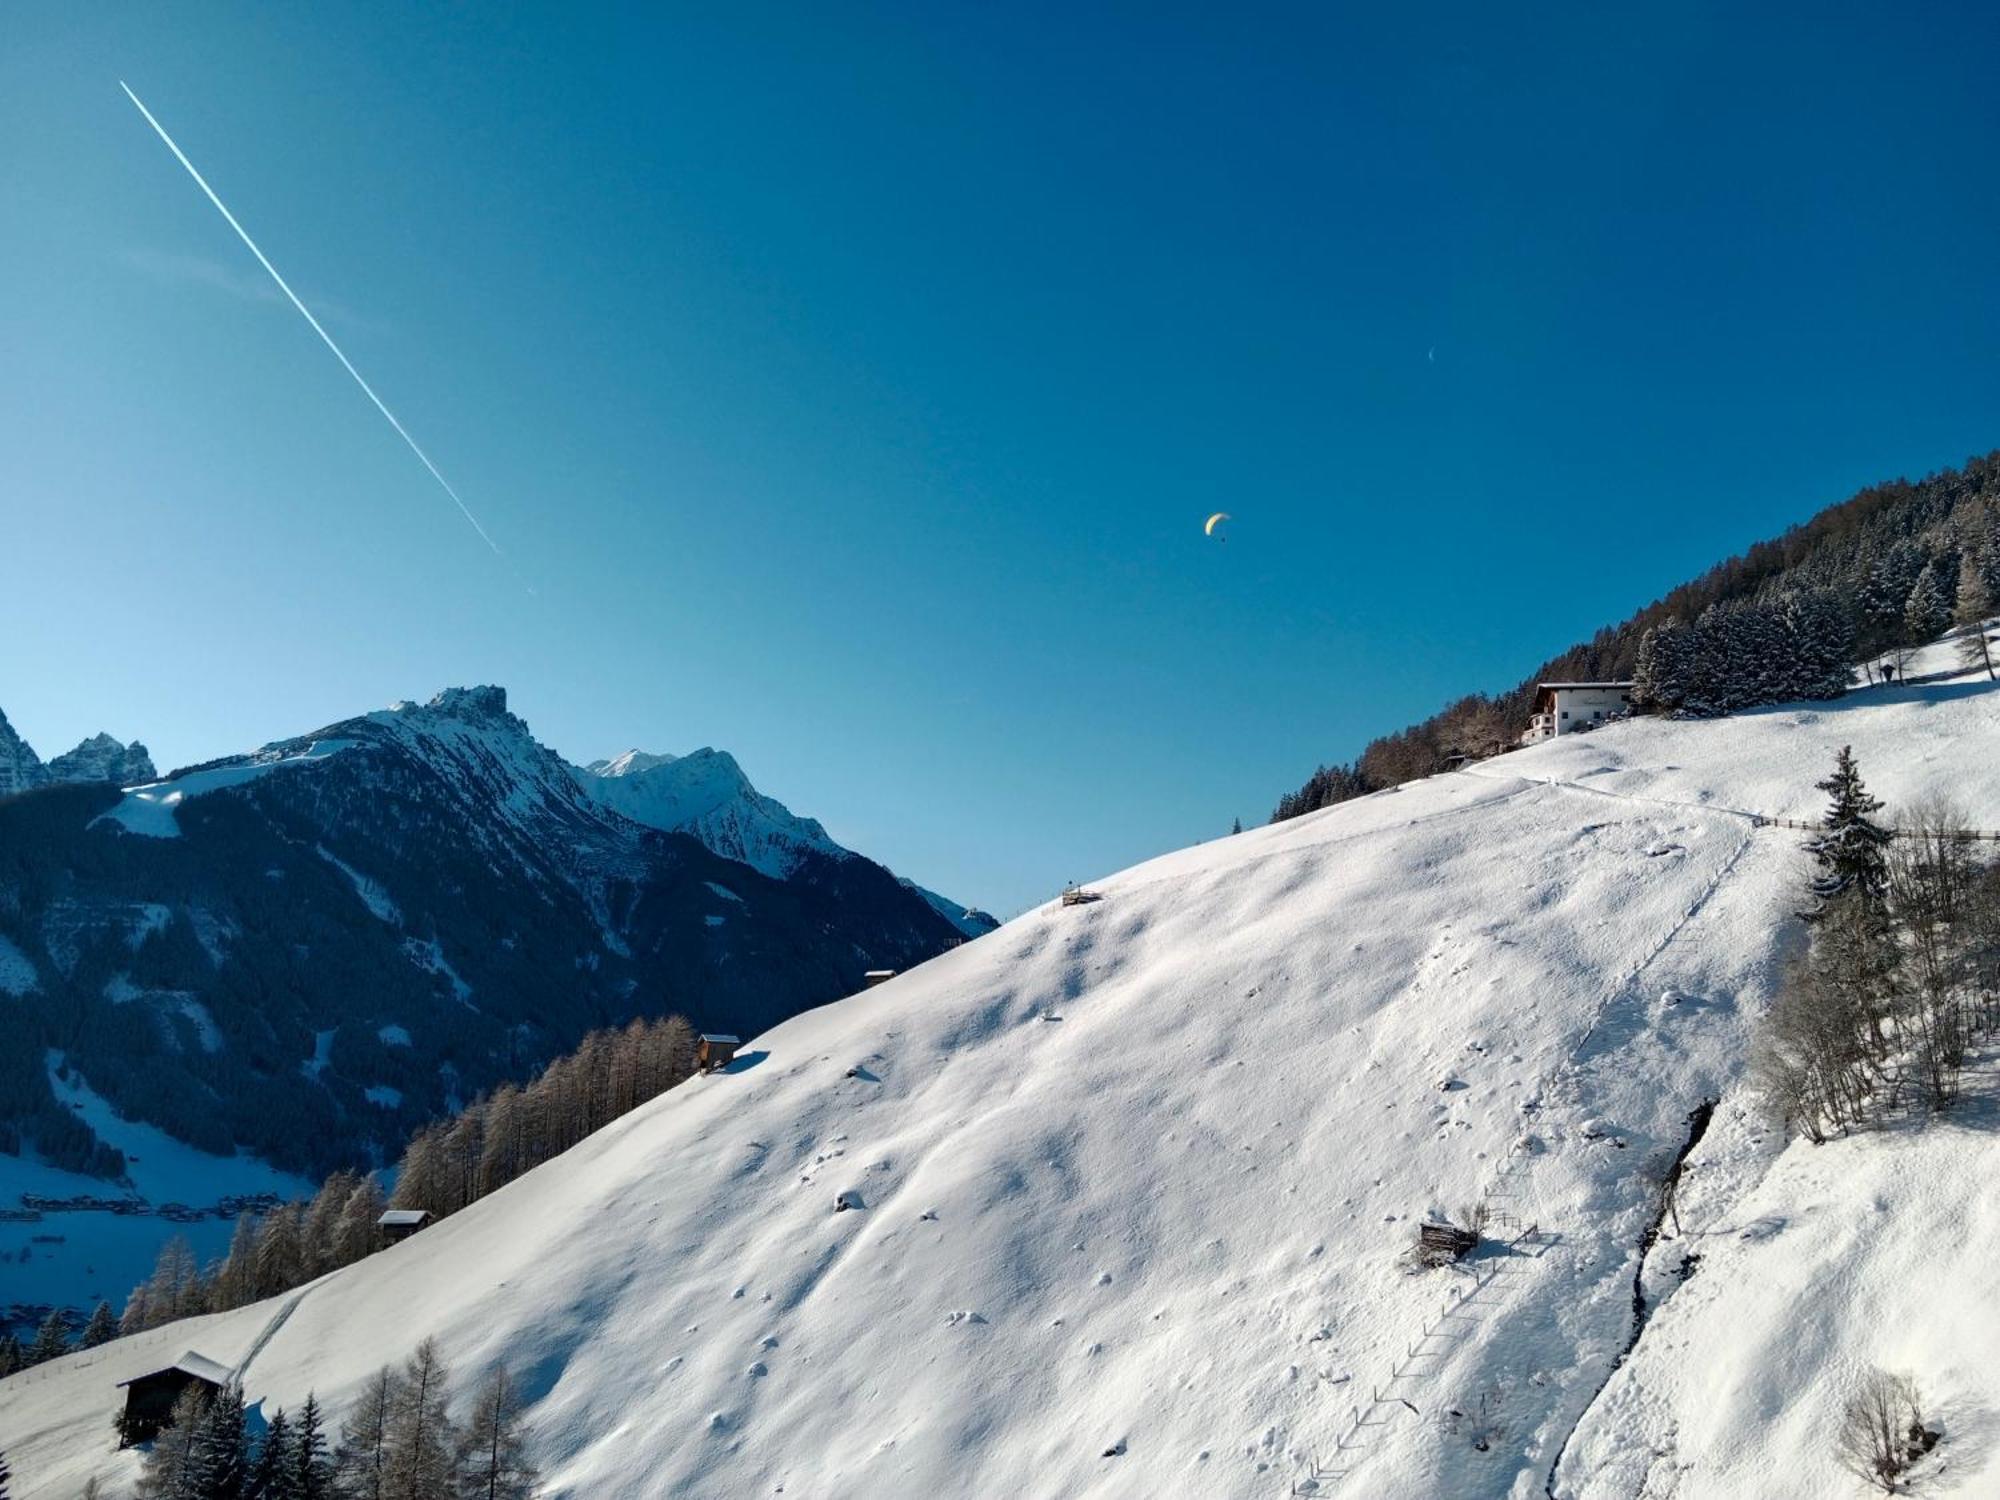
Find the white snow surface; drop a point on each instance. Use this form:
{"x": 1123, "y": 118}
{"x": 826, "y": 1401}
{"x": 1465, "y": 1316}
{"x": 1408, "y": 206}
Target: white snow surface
{"x": 149, "y": 809}
{"x": 1131, "y": 1181}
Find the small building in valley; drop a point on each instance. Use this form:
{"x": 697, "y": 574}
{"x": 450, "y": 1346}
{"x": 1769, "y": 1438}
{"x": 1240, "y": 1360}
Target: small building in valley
{"x": 400, "y": 1223}
{"x": 1565, "y": 707}
{"x": 150, "y": 1398}
{"x": 715, "y": 1050}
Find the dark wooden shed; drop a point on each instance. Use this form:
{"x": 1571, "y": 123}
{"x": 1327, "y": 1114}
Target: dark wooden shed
{"x": 150, "y": 1398}
{"x": 715, "y": 1050}
{"x": 877, "y": 976}
{"x": 1441, "y": 1244}
{"x": 400, "y": 1223}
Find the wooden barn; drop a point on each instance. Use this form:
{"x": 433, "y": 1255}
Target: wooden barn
{"x": 150, "y": 1398}
{"x": 715, "y": 1050}
{"x": 877, "y": 976}
{"x": 400, "y": 1223}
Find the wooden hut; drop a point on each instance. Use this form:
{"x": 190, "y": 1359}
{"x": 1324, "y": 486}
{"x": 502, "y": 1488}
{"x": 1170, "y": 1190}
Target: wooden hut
{"x": 715, "y": 1050}
{"x": 1076, "y": 895}
{"x": 1441, "y": 1244}
{"x": 400, "y": 1223}
{"x": 877, "y": 976}
{"x": 150, "y": 1398}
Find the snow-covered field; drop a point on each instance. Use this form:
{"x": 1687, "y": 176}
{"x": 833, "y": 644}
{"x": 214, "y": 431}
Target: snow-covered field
{"x": 1132, "y": 1183}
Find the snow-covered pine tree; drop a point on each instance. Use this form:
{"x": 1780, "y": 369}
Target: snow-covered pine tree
{"x": 1928, "y": 609}
{"x": 1662, "y": 675}
{"x": 167, "y": 1466}
{"x": 421, "y": 1442}
{"x": 219, "y": 1458}
{"x": 360, "y": 1463}
{"x": 312, "y": 1467}
{"x": 1819, "y": 643}
{"x": 492, "y": 1451}
{"x": 274, "y": 1473}
{"x": 102, "y": 1327}
{"x": 1885, "y": 592}
{"x": 51, "y": 1339}
{"x": 1849, "y": 850}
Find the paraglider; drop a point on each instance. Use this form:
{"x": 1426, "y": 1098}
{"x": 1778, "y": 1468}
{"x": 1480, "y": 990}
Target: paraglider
{"x": 1214, "y": 521}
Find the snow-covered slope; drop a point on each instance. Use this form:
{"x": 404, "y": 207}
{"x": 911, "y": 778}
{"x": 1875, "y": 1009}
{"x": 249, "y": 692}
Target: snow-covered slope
{"x": 1132, "y": 1181}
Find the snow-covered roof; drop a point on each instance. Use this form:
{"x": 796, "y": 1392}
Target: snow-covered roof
{"x": 722, "y": 1036}
{"x": 399, "y": 1218}
{"x": 1613, "y": 686}
{"x": 190, "y": 1363}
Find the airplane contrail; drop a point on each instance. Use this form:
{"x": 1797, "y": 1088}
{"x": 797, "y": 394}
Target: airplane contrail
{"x": 306, "y": 313}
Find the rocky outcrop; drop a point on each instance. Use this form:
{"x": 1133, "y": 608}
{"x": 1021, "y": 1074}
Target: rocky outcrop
{"x": 21, "y": 770}
{"x": 101, "y": 758}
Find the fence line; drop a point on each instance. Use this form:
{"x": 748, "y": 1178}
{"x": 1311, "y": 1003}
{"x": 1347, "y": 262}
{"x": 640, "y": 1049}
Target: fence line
{"x": 1966, "y": 835}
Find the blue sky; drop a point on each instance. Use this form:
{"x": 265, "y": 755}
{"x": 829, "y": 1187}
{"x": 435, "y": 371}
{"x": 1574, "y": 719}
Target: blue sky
{"x": 851, "y": 382}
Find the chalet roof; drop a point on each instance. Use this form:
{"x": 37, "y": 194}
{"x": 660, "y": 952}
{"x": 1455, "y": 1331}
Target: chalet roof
{"x": 199, "y": 1366}
{"x": 1614, "y": 686}
{"x": 880, "y": 974}
{"x": 399, "y": 1218}
{"x": 722, "y": 1036}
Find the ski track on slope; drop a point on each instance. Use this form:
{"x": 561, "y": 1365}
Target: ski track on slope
{"x": 1559, "y": 1088}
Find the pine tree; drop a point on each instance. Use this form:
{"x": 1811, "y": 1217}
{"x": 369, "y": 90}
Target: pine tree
{"x": 1849, "y": 851}
{"x": 102, "y": 1327}
{"x": 273, "y": 1476}
{"x": 361, "y": 1464}
{"x": 1663, "y": 674}
{"x": 169, "y": 1463}
{"x": 1819, "y": 644}
{"x": 492, "y": 1453}
{"x": 420, "y": 1440}
{"x": 218, "y": 1460}
{"x": 1235, "y": 827}
{"x": 51, "y": 1339}
{"x": 312, "y": 1468}
{"x": 1928, "y": 610}
{"x": 11, "y": 1356}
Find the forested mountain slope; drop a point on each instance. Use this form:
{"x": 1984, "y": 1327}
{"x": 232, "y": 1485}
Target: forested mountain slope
{"x": 1117, "y": 1201}
{"x": 1881, "y": 572}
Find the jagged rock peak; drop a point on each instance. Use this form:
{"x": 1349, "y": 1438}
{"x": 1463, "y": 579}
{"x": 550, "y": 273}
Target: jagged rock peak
{"x": 486, "y": 702}
{"x": 102, "y": 758}
{"x": 20, "y": 768}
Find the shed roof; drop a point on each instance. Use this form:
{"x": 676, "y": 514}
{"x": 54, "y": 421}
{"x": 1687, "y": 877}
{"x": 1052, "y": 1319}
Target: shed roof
{"x": 722, "y": 1036}
{"x": 397, "y": 1218}
{"x": 198, "y": 1365}
{"x": 880, "y": 974}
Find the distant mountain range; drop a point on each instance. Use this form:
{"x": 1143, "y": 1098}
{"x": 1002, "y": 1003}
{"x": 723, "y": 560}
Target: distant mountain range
{"x": 99, "y": 758}
{"x": 308, "y": 950}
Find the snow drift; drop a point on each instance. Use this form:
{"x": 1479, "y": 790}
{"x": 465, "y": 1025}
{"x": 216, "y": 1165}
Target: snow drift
{"x": 1131, "y": 1184}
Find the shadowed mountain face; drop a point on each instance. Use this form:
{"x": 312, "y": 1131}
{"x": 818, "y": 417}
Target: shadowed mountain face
{"x": 308, "y": 951}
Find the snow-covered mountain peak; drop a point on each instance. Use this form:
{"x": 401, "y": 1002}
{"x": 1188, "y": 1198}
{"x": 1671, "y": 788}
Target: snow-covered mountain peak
{"x": 705, "y": 794}
{"x": 630, "y": 763}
